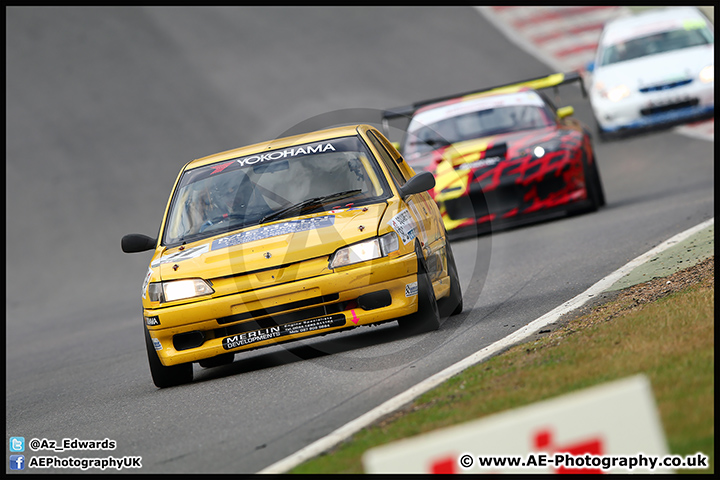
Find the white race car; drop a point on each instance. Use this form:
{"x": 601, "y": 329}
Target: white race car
{"x": 656, "y": 67}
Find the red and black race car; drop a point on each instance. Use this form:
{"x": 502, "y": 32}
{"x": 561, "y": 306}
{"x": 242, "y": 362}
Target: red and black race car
{"x": 503, "y": 156}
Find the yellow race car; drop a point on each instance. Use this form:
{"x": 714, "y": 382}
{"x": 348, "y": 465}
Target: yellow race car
{"x": 289, "y": 239}
{"x": 504, "y": 156}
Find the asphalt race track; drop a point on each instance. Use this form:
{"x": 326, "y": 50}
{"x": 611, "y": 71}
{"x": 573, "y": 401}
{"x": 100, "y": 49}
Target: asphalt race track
{"x": 104, "y": 106}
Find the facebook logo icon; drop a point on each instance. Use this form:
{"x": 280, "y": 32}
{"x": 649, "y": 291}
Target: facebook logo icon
{"x": 17, "y": 444}
{"x": 17, "y": 462}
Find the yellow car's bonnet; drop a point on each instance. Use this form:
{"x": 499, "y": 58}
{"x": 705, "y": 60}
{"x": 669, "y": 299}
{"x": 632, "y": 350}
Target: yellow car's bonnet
{"x": 271, "y": 245}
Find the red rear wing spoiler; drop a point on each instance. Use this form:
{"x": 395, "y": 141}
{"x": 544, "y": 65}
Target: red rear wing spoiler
{"x": 539, "y": 83}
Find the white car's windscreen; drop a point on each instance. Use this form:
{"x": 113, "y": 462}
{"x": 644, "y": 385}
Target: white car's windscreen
{"x": 658, "y": 42}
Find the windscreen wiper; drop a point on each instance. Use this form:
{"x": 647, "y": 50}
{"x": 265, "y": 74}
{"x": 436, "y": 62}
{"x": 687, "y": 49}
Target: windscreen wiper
{"x": 308, "y": 204}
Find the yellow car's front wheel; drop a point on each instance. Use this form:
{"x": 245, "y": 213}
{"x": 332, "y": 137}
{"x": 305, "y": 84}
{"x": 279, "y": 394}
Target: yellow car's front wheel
{"x": 427, "y": 317}
{"x": 453, "y": 303}
{"x": 163, "y": 376}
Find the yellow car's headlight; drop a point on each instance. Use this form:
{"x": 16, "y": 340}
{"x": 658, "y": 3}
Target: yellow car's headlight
{"x": 707, "y": 74}
{"x": 178, "y": 290}
{"x": 364, "y": 251}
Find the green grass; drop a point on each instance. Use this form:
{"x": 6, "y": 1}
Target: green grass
{"x": 671, "y": 340}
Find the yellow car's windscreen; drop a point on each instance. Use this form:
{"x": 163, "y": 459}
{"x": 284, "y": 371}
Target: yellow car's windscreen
{"x": 267, "y": 186}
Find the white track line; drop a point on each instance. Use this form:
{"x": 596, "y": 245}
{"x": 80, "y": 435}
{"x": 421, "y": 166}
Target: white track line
{"x": 392, "y": 405}
{"x": 703, "y": 131}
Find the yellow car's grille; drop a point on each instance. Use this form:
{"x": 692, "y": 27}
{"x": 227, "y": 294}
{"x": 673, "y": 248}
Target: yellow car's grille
{"x": 281, "y": 315}
{"x": 280, "y": 319}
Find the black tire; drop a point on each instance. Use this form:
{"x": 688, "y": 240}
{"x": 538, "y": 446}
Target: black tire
{"x": 453, "y": 303}
{"x": 598, "y": 183}
{"x": 163, "y": 376}
{"x": 602, "y": 135}
{"x": 596, "y": 194}
{"x": 427, "y": 317}
{"x": 217, "y": 361}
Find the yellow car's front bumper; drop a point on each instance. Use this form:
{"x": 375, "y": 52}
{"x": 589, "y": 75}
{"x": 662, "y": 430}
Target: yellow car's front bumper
{"x": 376, "y": 291}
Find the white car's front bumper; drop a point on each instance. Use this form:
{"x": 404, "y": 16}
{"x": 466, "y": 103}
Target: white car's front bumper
{"x": 653, "y": 107}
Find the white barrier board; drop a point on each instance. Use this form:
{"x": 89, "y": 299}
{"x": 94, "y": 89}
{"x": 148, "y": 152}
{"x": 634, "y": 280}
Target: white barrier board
{"x": 614, "y": 422}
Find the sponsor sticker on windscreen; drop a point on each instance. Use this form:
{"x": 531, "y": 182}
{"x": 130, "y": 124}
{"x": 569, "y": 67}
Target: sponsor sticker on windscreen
{"x": 294, "y": 226}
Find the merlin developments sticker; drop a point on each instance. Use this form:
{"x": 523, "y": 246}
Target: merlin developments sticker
{"x": 404, "y": 225}
{"x": 411, "y": 289}
{"x": 274, "y": 230}
{"x": 247, "y": 338}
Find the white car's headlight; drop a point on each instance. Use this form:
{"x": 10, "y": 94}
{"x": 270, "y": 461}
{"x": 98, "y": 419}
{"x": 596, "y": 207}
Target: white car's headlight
{"x": 364, "y": 251}
{"x": 707, "y": 74}
{"x": 616, "y": 94}
{"x": 178, "y": 289}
